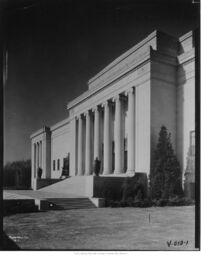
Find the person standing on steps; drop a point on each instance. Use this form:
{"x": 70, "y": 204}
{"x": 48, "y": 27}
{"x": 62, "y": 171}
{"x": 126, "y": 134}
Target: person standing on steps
{"x": 97, "y": 164}
{"x": 40, "y": 171}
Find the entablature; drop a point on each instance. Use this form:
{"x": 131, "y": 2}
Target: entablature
{"x": 134, "y": 65}
{"x": 40, "y": 132}
{"x": 116, "y": 88}
{"x": 186, "y": 56}
{"x": 59, "y": 124}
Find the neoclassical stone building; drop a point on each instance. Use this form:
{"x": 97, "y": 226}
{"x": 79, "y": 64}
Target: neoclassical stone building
{"x": 118, "y": 118}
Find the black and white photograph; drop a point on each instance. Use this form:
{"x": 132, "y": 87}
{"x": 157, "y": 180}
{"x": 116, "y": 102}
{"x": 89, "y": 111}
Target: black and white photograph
{"x": 101, "y": 113}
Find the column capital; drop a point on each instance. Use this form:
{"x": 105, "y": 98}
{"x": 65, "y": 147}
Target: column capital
{"x": 96, "y": 108}
{"x": 79, "y": 117}
{"x": 106, "y": 103}
{"x": 87, "y": 112}
{"x": 118, "y": 97}
{"x": 130, "y": 90}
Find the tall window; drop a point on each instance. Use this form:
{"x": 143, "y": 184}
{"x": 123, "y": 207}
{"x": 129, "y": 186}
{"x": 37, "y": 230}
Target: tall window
{"x": 58, "y": 164}
{"x": 125, "y": 144}
{"x": 192, "y": 143}
{"x": 53, "y": 165}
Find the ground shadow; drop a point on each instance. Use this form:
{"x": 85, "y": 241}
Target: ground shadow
{"x": 8, "y": 244}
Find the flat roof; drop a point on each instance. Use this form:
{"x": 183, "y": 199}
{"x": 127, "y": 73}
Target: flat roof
{"x": 59, "y": 124}
{"x": 93, "y": 90}
{"x": 38, "y": 132}
{"x": 124, "y": 55}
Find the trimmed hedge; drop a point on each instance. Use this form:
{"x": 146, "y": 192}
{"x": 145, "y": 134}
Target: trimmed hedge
{"x": 17, "y": 175}
{"x": 176, "y": 201}
{"x": 19, "y": 206}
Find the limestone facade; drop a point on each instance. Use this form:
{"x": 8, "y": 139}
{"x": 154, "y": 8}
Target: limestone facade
{"x": 118, "y": 118}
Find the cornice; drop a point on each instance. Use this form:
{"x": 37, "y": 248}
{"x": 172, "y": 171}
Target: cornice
{"x": 124, "y": 55}
{"x": 58, "y": 133}
{"x": 40, "y": 131}
{"x": 186, "y": 56}
{"x": 59, "y": 124}
{"x": 187, "y": 35}
{"x": 137, "y": 61}
{"x": 79, "y": 110}
{"x": 161, "y": 57}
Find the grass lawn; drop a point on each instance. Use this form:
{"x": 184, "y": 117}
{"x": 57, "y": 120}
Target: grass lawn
{"x": 104, "y": 229}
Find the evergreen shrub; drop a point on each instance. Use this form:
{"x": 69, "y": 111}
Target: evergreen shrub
{"x": 165, "y": 176}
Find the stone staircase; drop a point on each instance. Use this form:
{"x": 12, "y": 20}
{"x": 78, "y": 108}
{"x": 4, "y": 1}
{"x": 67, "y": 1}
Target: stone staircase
{"x": 67, "y": 204}
{"x": 74, "y": 186}
{"x": 70, "y": 193}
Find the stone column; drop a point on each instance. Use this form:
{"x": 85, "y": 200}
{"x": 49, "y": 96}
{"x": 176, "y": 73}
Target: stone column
{"x": 118, "y": 136}
{"x": 80, "y": 146}
{"x": 33, "y": 165}
{"x": 41, "y": 154}
{"x": 96, "y": 133}
{"x": 38, "y": 154}
{"x": 34, "y": 159}
{"x": 37, "y": 158}
{"x": 73, "y": 151}
{"x": 88, "y": 167}
{"x": 107, "y": 168}
{"x": 131, "y": 132}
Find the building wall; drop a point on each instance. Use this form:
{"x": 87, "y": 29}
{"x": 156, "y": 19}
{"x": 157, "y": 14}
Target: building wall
{"x": 41, "y": 155}
{"x": 142, "y": 133}
{"x": 185, "y": 98}
{"x": 60, "y": 147}
{"x": 163, "y": 101}
{"x": 186, "y": 111}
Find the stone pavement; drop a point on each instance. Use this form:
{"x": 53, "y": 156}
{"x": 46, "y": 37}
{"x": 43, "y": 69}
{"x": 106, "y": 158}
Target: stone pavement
{"x": 30, "y": 194}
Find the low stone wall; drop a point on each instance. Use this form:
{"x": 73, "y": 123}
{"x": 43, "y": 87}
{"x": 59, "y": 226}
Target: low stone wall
{"x": 189, "y": 190}
{"x": 108, "y": 187}
{"x": 111, "y": 186}
{"x": 13, "y": 206}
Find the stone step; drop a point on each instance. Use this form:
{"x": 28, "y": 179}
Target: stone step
{"x": 71, "y": 185}
{"x": 70, "y": 203}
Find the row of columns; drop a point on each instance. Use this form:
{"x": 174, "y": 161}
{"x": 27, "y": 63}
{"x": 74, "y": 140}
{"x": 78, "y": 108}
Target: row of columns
{"x": 107, "y": 151}
{"x": 37, "y": 157}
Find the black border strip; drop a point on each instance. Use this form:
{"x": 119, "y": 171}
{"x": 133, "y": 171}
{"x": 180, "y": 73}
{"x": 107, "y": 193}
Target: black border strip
{"x": 197, "y": 143}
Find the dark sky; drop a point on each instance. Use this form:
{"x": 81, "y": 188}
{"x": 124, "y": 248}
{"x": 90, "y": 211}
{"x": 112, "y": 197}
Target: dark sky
{"x": 55, "y": 47}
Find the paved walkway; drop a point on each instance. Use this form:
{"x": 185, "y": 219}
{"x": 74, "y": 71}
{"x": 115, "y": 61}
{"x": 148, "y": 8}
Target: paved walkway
{"x": 30, "y": 194}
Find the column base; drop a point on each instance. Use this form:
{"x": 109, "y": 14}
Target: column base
{"x": 130, "y": 173}
{"x": 118, "y": 172}
{"x": 107, "y": 172}
{"x": 88, "y": 173}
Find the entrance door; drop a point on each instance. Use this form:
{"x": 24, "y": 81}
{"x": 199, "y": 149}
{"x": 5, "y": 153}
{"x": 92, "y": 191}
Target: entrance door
{"x": 113, "y": 156}
{"x": 125, "y": 154}
{"x": 125, "y": 160}
{"x": 66, "y": 164}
